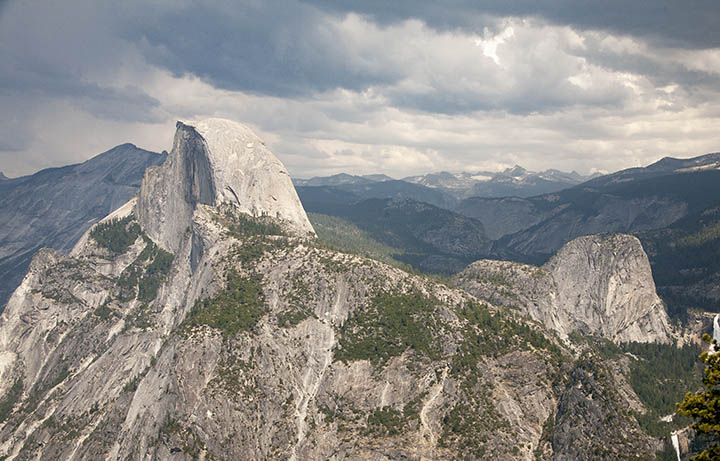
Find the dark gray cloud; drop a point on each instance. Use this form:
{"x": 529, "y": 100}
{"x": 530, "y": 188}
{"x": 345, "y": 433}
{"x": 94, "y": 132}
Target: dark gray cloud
{"x": 686, "y": 24}
{"x": 277, "y": 48}
{"x": 45, "y": 57}
{"x": 393, "y": 86}
{"x": 294, "y": 49}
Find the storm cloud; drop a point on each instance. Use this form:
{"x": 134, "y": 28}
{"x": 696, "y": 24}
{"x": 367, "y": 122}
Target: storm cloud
{"x": 393, "y": 87}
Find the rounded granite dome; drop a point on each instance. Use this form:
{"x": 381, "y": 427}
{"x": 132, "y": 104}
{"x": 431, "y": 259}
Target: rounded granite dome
{"x": 212, "y": 162}
{"x": 248, "y": 175}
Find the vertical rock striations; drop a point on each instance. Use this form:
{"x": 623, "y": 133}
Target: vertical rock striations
{"x": 170, "y": 192}
{"x": 199, "y": 322}
{"x": 597, "y": 284}
{"x": 216, "y": 161}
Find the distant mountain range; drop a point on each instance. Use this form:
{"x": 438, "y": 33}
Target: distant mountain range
{"x": 673, "y": 206}
{"x": 54, "y": 207}
{"x": 631, "y": 201}
{"x": 342, "y": 179}
{"x": 515, "y": 181}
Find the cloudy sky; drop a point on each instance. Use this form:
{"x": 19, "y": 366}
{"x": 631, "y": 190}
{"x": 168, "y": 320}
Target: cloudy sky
{"x": 373, "y": 86}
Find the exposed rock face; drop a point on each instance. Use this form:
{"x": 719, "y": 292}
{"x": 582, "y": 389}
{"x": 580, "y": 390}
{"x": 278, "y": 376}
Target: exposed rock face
{"x": 597, "y": 284}
{"x": 250, "y": 341}
{"x": 217, "y": 161}
{"x": 247, "y": 174}
{"x": 581, "y": 429}
{"x": 54, "y": 207}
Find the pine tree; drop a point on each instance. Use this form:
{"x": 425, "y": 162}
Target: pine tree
{"x": 704, "y": 405}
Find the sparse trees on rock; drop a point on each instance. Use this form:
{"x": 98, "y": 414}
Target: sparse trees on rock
{"x": 704, "y": 405}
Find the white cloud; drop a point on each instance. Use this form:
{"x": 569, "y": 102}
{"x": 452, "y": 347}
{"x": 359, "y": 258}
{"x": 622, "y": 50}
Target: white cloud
{"x": 407, "y": 99}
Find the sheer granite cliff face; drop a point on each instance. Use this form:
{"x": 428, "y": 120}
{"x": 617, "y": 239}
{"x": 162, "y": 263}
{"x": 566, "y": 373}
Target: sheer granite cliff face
{"x": 216, "y": 161}
{"x": 252, "y": 341}
{"x": 597, "y": 284}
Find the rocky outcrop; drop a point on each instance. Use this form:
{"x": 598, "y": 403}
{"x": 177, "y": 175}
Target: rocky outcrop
{"x": 216, "y": 161}
{"x": 598, "y": 284}
{"x": 252, "y": 341}
{"x": 247, "y": 174}
{"x": 54, "y": 207}
{"x": 581, "y": 430}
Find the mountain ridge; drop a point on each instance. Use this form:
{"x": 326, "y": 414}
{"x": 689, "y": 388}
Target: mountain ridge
{"x": 54, "y": 207}
{"x": 598, "y": 285}
{"x": 515, "y": 181}
{"x": 251, "y": 340}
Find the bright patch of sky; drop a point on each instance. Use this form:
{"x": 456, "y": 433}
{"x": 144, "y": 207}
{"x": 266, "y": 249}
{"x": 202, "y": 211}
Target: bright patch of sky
{"x": 364, "y": 87}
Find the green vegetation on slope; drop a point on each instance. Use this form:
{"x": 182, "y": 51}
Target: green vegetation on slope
{"x": 236, "y": 308}
{"x": 485, "y": 334}
{"x": 143, "y": 277}
{"x": 703, "y": 405}
{"x": 342, "y": 235}
{"x": 662, "y": 373}
{"x": 241, "y": 224}
{"x": 685, "y": 260}
{"x": 116, "y": 235}
{"x": 708, "y": 233}
{"x": 492, "y": 333}
{"x": 390, "y": 325}
{"x": 430, "y": 239}
{"x": 659, "y": 374}
{"x": 386, "y": 421}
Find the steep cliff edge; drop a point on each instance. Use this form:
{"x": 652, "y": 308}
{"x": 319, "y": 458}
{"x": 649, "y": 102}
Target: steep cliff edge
{"x": 598, "y": 284}
{"x": 216, "y": 161}
{"x": 207, "y": 332}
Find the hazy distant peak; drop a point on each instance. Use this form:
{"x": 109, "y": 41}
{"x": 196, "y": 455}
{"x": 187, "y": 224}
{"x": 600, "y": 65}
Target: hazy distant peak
{"x": 341, "y": 179}
{"x": 516, "y": 170}
{"x": 671, "y": 164}
{"x": 378, "y": 177}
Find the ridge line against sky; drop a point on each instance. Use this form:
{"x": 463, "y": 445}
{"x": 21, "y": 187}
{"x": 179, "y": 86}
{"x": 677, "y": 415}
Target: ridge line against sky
{"x": 399, "y": 88}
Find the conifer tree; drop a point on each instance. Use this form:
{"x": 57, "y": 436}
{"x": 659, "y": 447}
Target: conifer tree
{"x": 704, "y": 405}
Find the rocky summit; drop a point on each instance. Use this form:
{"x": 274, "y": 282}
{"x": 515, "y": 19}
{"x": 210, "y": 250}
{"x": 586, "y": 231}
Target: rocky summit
{"x": 214, "y": 162}
{"x": 203, "y": 320}
{"x": 595, "y": 285}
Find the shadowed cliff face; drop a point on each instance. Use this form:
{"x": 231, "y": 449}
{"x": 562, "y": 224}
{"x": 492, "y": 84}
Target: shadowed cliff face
{"x": 217, "y": 162}
{"x": 171, "y": 192}
{"x": 54, "y": 207}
